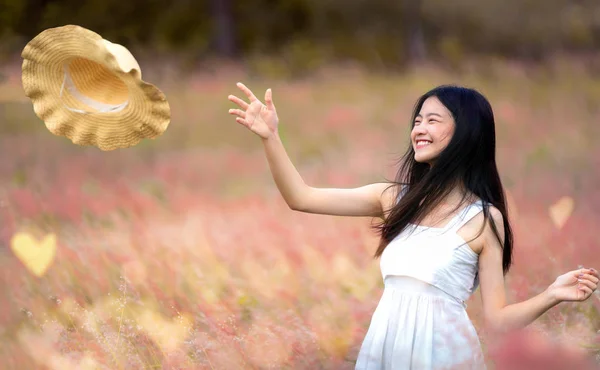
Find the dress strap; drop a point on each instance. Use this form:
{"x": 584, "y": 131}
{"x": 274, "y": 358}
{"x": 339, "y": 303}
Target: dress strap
{"x": 464, "y": 216}
{"x": 458, "y": 220}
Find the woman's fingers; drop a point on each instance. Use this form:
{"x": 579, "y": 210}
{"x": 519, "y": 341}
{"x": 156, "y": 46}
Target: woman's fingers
{"x": 269, "y": 99}
{"x": 238, "y": 112}
{"x": 586, "y": 289}
{"x": 590, "y": 277}
{"x": 242, "y": 104}
{"x": 588, "y": 283}
{"x": 246, "y": 91}
{"x": 242, "y": 121}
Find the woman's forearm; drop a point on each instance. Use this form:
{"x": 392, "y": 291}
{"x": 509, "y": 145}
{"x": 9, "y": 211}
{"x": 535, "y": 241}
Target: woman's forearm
{"x": 519, "y": 315}
{"x": 288, "y": 180}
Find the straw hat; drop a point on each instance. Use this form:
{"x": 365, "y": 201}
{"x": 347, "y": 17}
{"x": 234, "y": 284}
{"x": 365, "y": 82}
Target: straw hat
{"x": 90, "y": 90}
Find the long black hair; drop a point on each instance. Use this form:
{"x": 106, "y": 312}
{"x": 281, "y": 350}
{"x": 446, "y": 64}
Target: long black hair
{"x": 468, "y": 161}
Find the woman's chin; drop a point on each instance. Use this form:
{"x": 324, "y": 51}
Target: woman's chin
{"x": 423, "y": 159}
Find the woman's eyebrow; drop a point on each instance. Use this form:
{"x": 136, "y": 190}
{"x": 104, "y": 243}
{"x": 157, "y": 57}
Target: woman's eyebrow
{"x": 429, "y": 114}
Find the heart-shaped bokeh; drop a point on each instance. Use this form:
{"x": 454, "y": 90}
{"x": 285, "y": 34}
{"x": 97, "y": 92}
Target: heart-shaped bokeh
{"x": 561, "y": 211}
{"x": 36, "y": 255}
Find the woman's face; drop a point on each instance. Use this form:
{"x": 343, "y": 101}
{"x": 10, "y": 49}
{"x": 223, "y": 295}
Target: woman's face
{"x": 433, "y": 128}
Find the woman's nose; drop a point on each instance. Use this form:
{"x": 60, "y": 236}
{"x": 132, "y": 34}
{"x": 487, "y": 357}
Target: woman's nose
{"x": 417, "y": 130}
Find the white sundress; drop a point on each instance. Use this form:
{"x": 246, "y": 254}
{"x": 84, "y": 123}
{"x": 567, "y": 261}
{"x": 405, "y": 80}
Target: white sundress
{"x": 421, "y": 320}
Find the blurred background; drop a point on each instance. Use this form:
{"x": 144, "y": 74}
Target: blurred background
{"x": 180, "y": 252}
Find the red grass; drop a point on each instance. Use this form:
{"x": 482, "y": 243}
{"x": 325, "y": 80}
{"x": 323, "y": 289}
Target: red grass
{"x": 203, "y": 235}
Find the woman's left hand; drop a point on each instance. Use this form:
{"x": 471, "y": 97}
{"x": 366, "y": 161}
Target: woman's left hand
{"x": 575, "y": 286}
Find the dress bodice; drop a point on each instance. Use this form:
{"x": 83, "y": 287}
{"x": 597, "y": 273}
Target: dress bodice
{"x": 438, "y": 256}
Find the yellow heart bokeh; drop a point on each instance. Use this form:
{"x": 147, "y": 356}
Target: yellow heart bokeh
{"x": 35, "y": 255}
{"x": 561, "y": 211}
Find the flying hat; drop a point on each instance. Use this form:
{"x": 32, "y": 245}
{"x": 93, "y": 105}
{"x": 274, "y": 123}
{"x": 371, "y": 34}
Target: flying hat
{"x": 90, "y": 90}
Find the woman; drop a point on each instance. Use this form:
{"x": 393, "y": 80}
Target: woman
{"x": 444, "y": 232}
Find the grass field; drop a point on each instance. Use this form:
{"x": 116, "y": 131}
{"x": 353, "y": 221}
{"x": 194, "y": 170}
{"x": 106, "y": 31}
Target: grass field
{"x": 180, "y": 253}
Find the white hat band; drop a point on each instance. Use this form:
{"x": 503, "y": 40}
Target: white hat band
{"x": 72, "y": 89}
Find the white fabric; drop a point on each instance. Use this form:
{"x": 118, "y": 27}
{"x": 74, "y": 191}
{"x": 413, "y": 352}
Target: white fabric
{"x": 72, "y": 89}
{"x": 421, "y": 320}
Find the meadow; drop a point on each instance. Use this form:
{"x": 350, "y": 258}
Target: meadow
{"x": 180, "y": 252}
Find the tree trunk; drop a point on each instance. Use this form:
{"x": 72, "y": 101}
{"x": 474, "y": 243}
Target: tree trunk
{"x": 413, "y": 30}
{"x": 224, "y": 35}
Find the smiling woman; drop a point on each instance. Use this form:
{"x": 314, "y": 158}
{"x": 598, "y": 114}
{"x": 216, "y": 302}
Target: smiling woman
{"x": 445, "y": 232}
{"x": 432, "y": 130}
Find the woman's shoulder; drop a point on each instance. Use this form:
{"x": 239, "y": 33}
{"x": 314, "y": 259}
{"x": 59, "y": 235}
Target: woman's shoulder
{"x": 472, "y": 230}
{"x": 494, "y": 212}
{"x": 495, "y": 217}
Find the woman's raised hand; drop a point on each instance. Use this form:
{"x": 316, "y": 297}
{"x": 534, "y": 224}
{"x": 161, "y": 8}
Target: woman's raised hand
{"x": 258, "y": 117}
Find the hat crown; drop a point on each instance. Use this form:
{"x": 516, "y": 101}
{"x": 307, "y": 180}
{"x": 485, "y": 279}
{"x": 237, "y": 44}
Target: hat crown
{"x": 123, "y": 57}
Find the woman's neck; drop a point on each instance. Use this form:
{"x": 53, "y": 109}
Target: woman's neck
{"x": 457, "y": 194}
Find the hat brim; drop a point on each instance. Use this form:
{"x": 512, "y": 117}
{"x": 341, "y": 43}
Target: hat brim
{"x": 147, "y": 114}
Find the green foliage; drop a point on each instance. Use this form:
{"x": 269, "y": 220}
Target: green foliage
{"x": 305, "y": 33}
{"x": 10, "y": 12}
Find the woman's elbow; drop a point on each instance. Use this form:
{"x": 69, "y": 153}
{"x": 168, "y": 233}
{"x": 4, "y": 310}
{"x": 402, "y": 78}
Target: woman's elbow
{"x": 493, "y": 324}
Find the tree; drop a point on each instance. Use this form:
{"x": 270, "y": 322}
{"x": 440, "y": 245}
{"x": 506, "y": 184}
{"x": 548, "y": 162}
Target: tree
{"x": 413, "y": 30}
{"x": 223, "y": 29}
